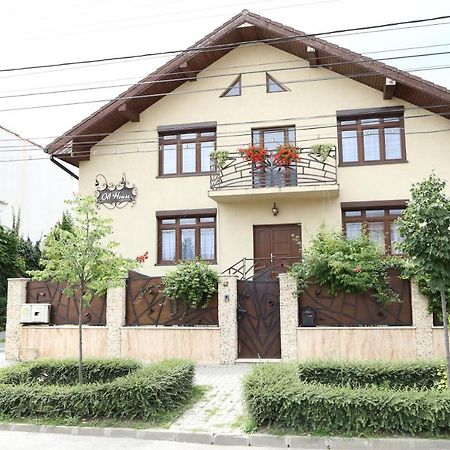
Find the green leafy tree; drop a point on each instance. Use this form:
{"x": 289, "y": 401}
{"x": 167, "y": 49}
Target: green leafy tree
{"x": 85, "y": 259}
{"x": 425, "y": 227}
{"x": 65, "y": 224}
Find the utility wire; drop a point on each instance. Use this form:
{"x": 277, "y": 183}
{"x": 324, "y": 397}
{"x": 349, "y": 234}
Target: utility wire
{"x": 213, "y": 48}
{"x": 161, "y": 94}
{"x": 219, "y": 146}
{"x": 224, "y": 134}
{"x": 192, "y": 75}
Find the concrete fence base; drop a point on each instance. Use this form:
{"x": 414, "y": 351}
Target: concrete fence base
{"x": 219, "y": 345}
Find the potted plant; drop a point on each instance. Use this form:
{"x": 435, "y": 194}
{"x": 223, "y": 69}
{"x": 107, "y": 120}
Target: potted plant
{"x": 220, "y": 157}
{"x": 322, "y": 151}
{"x": 255, "y": 154}
{"x": 286, "y": 155}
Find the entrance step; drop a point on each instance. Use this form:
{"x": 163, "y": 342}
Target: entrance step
{"x": 257, "y": 360}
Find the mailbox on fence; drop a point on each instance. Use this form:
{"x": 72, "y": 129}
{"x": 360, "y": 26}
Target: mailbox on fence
{"x": 308, "y": 317}
{"x": 35, "y": 313}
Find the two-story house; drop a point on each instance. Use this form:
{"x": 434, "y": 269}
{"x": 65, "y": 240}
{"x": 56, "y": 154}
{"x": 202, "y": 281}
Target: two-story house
{"x": 147, "y": 157}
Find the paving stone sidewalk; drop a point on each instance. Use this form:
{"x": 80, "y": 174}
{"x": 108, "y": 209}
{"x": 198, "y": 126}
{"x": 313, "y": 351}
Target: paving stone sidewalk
{"x": 222, "y": 405}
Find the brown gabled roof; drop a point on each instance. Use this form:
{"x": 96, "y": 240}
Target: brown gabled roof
{"x": 126, "y": 107}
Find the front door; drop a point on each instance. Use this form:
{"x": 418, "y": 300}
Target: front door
{"x": 275, "y": 247}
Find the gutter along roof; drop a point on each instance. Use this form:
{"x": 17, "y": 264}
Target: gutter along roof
{"x": 72, "y": 146}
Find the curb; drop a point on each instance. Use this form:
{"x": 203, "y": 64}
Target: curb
{"x": 246, "y": 440}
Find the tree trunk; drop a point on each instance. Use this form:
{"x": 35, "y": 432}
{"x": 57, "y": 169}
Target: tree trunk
{"x": 446, "y": 340}
{"x": 80, "y": 340}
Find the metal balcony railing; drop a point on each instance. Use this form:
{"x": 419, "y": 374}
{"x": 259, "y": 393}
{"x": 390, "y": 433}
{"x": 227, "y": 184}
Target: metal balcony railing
{"x": 237, "y": 173}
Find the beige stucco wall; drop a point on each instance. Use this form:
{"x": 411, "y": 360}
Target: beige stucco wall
{"x": 135, "y": 227}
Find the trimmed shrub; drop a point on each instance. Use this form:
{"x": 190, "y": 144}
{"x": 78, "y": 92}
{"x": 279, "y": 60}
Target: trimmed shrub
{"x": 65, "y": 371}
{"x": 394, "y": 375}
{"x": 142, "y": 394}
{"x": 275, "y": 396}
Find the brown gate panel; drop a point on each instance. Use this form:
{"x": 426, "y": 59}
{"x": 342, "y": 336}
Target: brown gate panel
{"x": 147, "y": 305}
{"x": 259, "y": 319}
{"x": 357, "y": 309}
{"x": 64, "y": 310}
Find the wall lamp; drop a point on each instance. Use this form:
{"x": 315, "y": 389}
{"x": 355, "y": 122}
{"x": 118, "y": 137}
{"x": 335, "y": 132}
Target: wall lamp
{"x": 274, "y": 209}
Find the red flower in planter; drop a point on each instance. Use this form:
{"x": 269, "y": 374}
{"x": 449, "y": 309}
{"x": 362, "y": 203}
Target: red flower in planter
{"x": 286, "y": 154}
{"x": 255, "y": 154}
{"x": 141, "y": 259}
{"x": 357, "y": 269}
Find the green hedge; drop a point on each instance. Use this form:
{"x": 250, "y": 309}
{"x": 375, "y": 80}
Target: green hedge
{"x": 395, "y": 375}
{"x": 65, "y": 371}
{"x": 275, "y": 396}
{"x": 143, "y": 394}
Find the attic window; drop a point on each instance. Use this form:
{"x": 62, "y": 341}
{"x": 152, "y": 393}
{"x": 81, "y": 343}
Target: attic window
{"x": 273, "y": 85}
{"x": 234, "y": 90}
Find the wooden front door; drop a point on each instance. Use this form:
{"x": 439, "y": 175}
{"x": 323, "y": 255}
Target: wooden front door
{"x": 275, "y": 246}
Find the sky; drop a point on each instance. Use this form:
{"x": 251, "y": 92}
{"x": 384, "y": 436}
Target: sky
{"x": 53, "y": 31}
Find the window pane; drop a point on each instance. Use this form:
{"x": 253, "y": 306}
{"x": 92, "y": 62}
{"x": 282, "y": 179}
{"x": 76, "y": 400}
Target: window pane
{"x": 255, "y": 137}
{"x": 208, "y": 133}
{"x": 395, "y": 238}
{"x": 206, "y": 148}
{"x": 188, "y": 221}
{"x": 393, "y": 143}
{"x": 375, "y": 213}
{"x": 170, "y": 137}
{"x": 352, "y": 213}
{"x": 396, "y": 212}
{"x": 187, "y": 244}
{"x": 349, "y": 146}
{"x": 169, "y": 159}
{"x": 168, "y": 221}
{"x": 273, "y": 138}
{"x": 353, "y": 230}
{"x": 188, "y": 158}
{"x": 235, "y": 89}
{"x": 348, "y": 122}
{"x": 273, "y": 86}
{"x": 371, "y": 145}
{"x": 207, "y": 243}
{"x": 373, "y": 120}
{"x": 168, "y": 245}
{"x": 376, "y": 234}
{"x": 207, "y": 219}
{"x": 291, "y": 135}
{"x": 391, "y": 119}
{"x": 188, "y": 136}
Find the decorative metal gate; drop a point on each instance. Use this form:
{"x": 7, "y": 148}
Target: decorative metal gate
{"x": 259, "y": 318}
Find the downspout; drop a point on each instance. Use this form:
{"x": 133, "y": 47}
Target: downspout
{"x": 57, "y": 163}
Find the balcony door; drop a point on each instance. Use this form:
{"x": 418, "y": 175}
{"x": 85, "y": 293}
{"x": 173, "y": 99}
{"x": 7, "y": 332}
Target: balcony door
{"x": 275, "y": 248}
{"x": 272, "y": 175}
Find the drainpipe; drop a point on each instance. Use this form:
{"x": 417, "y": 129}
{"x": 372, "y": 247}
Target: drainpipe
{"x": 57, "y": 163}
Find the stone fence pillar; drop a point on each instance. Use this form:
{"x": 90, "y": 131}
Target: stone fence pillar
{"x": 288, "y": 317}
{"x": 423, "y": 321}
{"x": 115, "y": 320}
{"x": 227, "y": 305}
{"x": 17, "y": 296}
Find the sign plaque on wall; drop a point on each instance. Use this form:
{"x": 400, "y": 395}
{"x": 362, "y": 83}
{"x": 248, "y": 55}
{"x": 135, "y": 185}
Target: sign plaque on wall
{"x": 114, "y": 195}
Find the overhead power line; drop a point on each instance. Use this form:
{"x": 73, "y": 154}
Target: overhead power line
{"x": 317, "y": 126}
{"x": 154, "y": 150}
{"x": 193, "y": 75}
{"x": 170, "y": 93}
{"x": 225, "y": 46}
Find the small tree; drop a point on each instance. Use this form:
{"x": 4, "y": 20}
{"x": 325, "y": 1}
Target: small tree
{"x": 83, "y": 258}
{"x": 425, "y": 227}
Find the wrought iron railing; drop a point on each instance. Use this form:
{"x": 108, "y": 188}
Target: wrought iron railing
{"x": 252, "y": 268}
{"x": 236, "y": 173}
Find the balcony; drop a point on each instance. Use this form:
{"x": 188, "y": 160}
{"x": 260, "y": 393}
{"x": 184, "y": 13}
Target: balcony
{"x": 311, "y": 176}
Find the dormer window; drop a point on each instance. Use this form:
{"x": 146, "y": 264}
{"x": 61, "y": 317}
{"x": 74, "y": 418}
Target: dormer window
{"x": 234, "y": 90}
{"x": 273, "y": 85}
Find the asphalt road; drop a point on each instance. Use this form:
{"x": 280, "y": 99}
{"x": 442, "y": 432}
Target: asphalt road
{"x": 19, "y": 440}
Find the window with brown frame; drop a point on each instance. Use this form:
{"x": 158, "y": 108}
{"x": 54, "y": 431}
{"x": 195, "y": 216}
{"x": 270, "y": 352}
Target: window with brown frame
{"x": 186, "y": 152}
{"x": 377, "y": 221}
{"x": 371, "y": 136}
{"x": 186, "y": 237}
